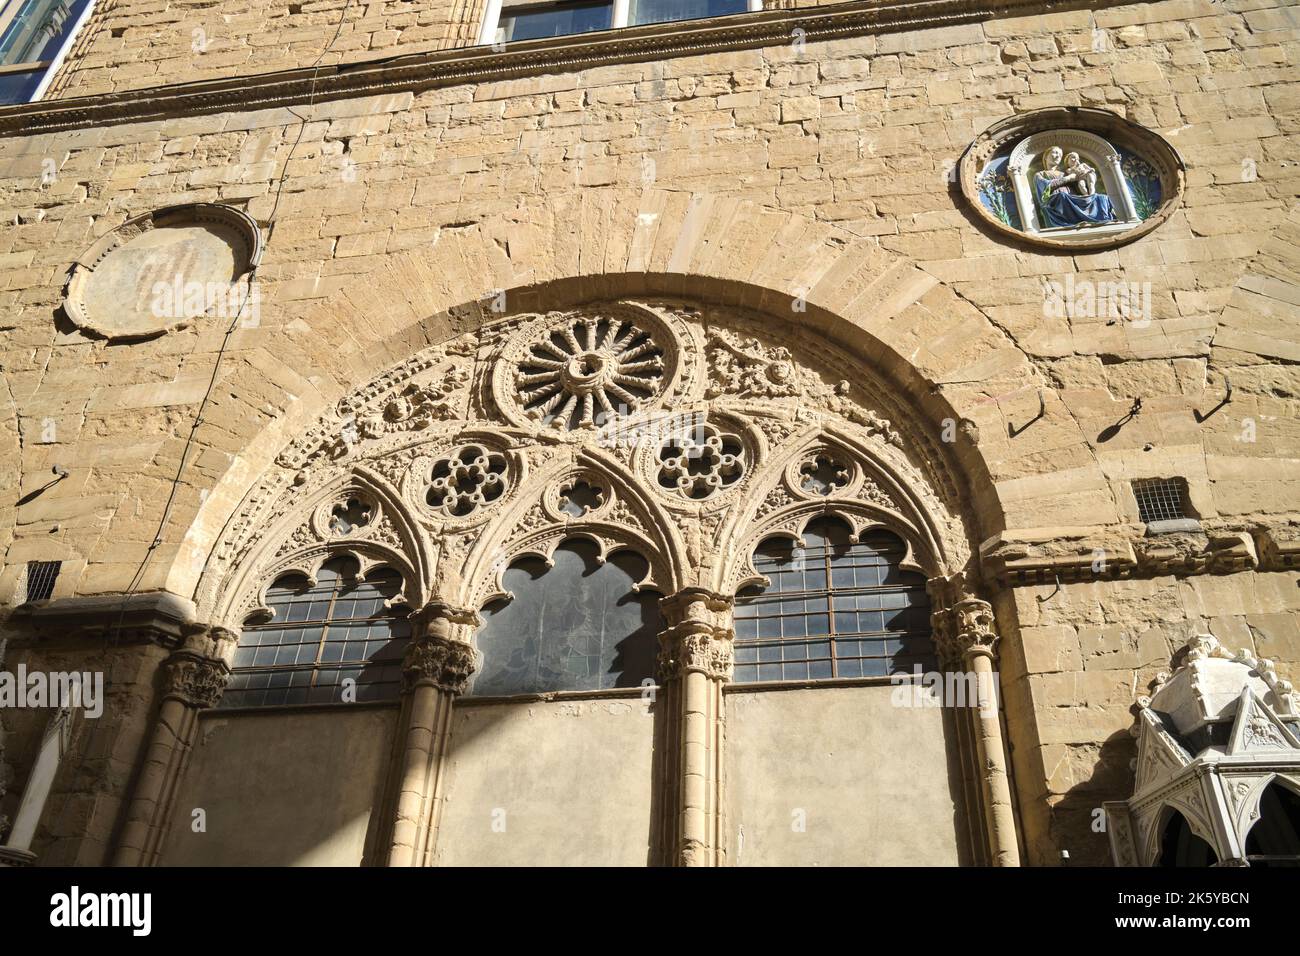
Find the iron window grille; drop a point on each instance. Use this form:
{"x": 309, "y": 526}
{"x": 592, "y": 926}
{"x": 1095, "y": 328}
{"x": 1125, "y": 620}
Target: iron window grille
{"x": 1161, "y": 499}
{"x": 41, "y": 576}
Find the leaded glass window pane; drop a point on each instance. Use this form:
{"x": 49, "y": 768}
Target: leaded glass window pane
{"x": 577, "y": 625}
{"x": 833, "y": 608}
{"x": 320, "y": 636}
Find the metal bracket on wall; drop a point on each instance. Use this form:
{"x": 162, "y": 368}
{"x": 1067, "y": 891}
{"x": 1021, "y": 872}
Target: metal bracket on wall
{"x": 1013, "y": 431}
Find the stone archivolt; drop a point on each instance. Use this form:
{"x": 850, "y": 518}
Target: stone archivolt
{"x": 544, "y": 399}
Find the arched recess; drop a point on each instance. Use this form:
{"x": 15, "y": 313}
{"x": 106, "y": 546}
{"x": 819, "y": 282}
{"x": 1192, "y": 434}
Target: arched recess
{"x": 1180, "y": 842}
{"x": 925, "y": 343}
{"x": 1273, "y": 829}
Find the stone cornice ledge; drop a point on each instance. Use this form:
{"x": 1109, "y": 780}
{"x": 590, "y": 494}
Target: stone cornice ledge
{"x": 1050, "y": 555}
{"x": 422, "y": 71}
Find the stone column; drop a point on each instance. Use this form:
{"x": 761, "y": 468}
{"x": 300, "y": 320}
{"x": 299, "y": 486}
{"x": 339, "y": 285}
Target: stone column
{"x": 437, "y": 667}
{"x": 1127, "y": 208}
{"x": 695, "y": 659}
{"x": 966, "y": 638}
{"x": 193, "y": 678}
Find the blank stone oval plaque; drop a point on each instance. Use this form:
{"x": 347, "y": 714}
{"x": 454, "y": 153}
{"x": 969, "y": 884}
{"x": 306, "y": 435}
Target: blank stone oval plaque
{"x": 163, "y": 270}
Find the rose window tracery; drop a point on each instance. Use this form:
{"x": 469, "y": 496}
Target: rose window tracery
{"x": 586, "y": 372}
{"x": 469, "y": 478}
{"x": 701, "y": 461}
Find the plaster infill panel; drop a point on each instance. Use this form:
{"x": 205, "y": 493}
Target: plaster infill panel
{"x": 551, "y": 783}
{"x": 840, "y": 776}
{"x": 282, "y": 788}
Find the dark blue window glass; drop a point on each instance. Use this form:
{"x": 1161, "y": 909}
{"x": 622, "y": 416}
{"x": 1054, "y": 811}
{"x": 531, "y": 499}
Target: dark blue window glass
{"x": 577, "y": 625}
{"x": 663, "y": 11}
{"x": 321, "y": 635}
{"x": 554, "y": 20}
{"x": 35, "y": 36}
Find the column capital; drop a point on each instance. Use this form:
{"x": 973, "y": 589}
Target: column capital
{"x": 962, "y": 624}
{"x": 440, "y": 662}
{"x": 698, "y": 636}
{"x": 194, "y": 680}
{"x": 974, "y": 628}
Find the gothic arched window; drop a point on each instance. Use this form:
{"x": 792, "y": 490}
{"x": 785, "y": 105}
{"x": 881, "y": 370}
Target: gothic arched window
{"x": 320, "y": 636}
{"x": 833, "y": 608}
{"x": 576, "y": 625}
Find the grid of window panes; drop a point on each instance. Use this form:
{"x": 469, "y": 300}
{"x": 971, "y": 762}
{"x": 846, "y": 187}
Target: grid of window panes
{"x": 320, "y": 636}
{"x": 1159, "y": 499}
{"x": 833, "y": 609}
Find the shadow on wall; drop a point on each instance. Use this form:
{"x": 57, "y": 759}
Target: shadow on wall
{"x": 1078, "y": 822}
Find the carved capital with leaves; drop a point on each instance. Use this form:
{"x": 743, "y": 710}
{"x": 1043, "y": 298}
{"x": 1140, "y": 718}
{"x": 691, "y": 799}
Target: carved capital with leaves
{"x": 194, "y": 680}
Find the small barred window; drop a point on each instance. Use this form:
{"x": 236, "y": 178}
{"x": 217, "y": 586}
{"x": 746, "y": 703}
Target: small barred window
{"x": 1161, "y": 499}
{"x": 41, "y": 576}
{"x": 833, "y": 608}
{"x": 335, "y": 641}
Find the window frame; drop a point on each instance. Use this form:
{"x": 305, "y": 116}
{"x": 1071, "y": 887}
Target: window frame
{"x": 348, "y": 578}
{"x": 618, "y": 19}
{"x": 8, "y": 14}
{"x": 828, "y": 594}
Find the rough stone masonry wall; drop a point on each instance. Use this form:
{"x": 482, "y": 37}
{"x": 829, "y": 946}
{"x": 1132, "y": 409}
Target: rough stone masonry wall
{"x": 134, "y": 44}
{"x": 845, "y": 143}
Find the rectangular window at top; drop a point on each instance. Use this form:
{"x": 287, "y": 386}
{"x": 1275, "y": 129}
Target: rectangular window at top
{"x": 535, "y": 21}
{"x": 34, "y": 36}
{"x": 509, "y": 21}
{"x": 664, "y": 11}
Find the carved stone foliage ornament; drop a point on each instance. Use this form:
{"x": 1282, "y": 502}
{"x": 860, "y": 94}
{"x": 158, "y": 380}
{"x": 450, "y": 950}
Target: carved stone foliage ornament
{"x": 440, "y": 662}
{"x": 195, "y": 681}
{"x": 678, "y": 431}
{"x": 163, "y": 270}
{"x": 1072, "y": 178}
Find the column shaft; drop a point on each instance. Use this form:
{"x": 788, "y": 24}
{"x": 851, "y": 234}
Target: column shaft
{"x": 436, "y": 670}
{"x": 194, "y": 678}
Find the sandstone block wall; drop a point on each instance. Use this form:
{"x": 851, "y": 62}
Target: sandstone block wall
{"x": 820, "y": 168}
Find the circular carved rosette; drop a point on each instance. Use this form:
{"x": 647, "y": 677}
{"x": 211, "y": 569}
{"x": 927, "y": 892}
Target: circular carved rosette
{"x": 578, "y": 373}
{"x": 463, "y": 484}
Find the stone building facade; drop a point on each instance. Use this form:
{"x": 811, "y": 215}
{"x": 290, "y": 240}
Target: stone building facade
{"x": 613, "y": 318}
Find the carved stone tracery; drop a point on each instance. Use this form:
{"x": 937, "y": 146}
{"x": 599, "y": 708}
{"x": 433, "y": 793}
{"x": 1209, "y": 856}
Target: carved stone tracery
{"x": 389, "y": 473}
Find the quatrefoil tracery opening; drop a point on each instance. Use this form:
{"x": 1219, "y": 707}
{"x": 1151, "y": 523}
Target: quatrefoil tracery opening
{"x": 580, "y": 497}
{"x": 349, "y": 515}
{"x": 469, "y": 478}
{"x": 588, "y": 372}
{"x": 823, "y": 474}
